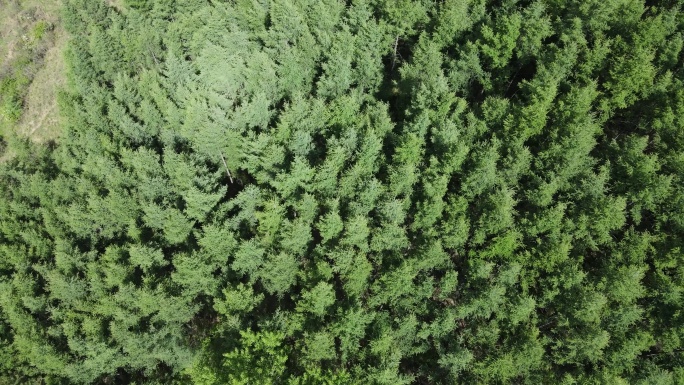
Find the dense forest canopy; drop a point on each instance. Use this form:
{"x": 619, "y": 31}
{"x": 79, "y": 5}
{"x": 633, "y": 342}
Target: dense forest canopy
{"x": 340, "y": 192}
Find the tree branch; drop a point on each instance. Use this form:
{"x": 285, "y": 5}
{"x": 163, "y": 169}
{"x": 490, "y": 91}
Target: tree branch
{"x": 226, "y": 166}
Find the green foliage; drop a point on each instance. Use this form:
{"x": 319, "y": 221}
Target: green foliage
{"x": 373, "y": 192}
{"x": 10, "y": 94}
{"x": 260, "y": 360}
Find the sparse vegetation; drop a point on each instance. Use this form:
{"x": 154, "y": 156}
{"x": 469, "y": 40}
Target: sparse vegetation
{"x": 31, "y": 45}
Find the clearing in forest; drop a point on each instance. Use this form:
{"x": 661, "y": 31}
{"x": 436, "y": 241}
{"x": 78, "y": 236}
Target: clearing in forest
{"x": 32, "y": 68}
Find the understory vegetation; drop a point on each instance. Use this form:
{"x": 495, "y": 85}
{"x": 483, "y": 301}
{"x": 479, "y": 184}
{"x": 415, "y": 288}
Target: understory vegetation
{"x": 340, "y": 192}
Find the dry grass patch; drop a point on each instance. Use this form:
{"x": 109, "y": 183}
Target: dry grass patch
{"x": 40, "y": 121}
{"x": 117, "y": 4}
{"x": 31, "y": 66}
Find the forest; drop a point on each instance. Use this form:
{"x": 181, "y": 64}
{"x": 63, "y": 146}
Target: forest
{"x": 341, "y": 192}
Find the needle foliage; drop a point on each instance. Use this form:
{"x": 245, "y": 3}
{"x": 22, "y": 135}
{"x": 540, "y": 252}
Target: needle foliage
{"x": 306, "y": 192}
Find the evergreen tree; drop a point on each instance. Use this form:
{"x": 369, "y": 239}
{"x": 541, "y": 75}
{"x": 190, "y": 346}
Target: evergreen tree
{"x": 325, "y": 192}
